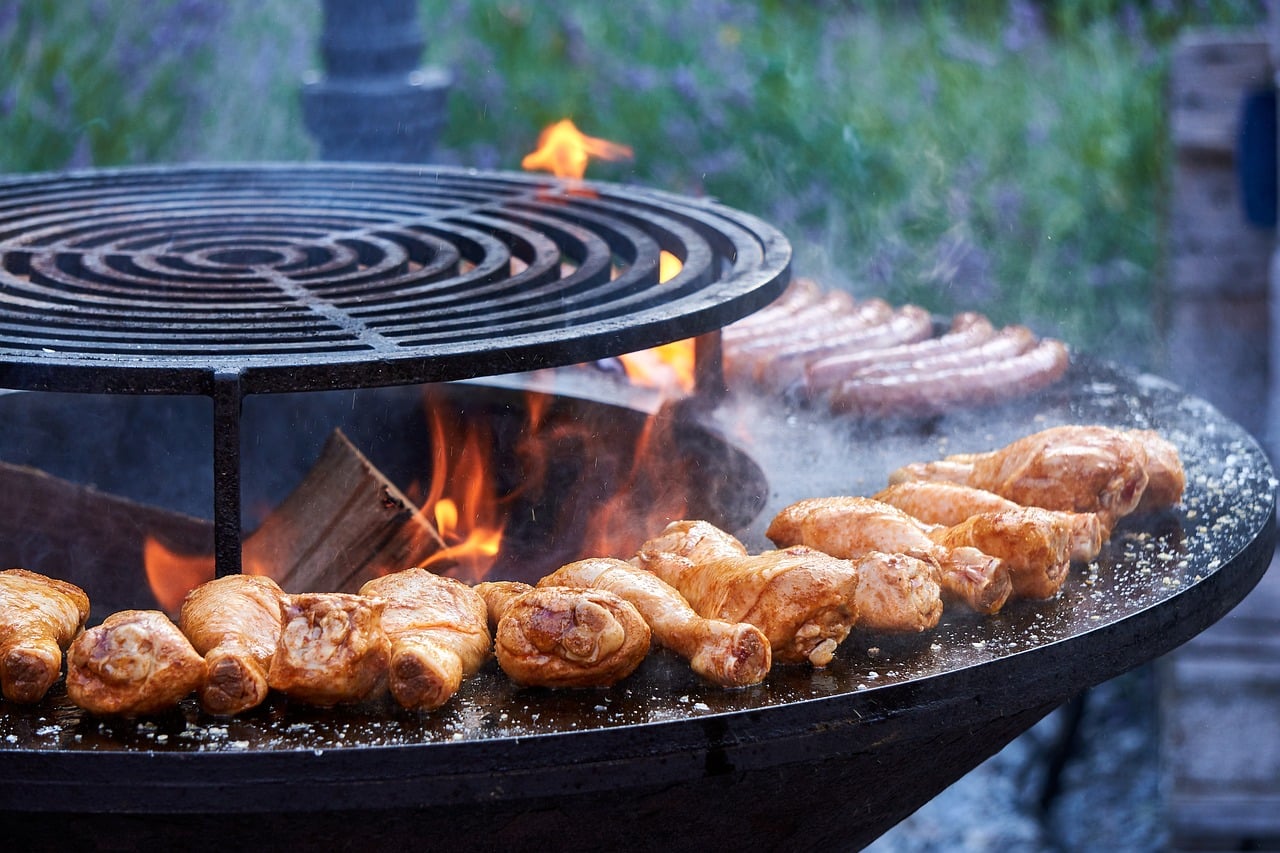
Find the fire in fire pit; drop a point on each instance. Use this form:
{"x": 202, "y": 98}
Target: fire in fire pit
{"x": 500, "y": 481}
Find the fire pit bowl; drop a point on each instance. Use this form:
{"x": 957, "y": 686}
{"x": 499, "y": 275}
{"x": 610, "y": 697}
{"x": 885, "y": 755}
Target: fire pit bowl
{"x": 809, "y": 758}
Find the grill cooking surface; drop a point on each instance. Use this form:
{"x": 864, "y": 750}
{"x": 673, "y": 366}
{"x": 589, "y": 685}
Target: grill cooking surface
{"x": 302, "y": 277}
{"x": 1160, "y": 580}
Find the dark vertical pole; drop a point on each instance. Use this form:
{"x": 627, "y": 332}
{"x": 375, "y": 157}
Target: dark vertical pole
{"x": 227, "y": 401}
{"x": 374, "y": 102}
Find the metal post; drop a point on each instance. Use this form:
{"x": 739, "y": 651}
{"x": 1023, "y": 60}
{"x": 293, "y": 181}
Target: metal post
{"x": 227, "y": 402}
{"x": 374, "y": 102}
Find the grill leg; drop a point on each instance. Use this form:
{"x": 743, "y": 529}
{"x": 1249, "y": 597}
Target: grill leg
{"x": 227, "y": 400}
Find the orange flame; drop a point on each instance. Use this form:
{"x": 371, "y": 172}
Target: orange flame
{"x": 463, "y": 498}
{"x": 643, "y": 502}
{"x": 564, "y": 151}
{"x": 172, "y": 575}
{"x": 670, "y": 366}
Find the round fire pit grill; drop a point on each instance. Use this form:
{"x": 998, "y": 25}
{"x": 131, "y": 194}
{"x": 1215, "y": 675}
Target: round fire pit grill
{"x": 233, "y": 280}
{"x": 810, "y": 759}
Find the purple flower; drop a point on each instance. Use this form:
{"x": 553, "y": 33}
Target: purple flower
{"x": 1025, "y": 27}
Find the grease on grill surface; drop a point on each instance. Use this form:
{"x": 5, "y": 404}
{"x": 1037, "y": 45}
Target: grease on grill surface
{"x": 1148, "y": 560}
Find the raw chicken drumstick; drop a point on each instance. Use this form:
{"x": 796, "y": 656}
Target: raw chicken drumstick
{"x": 234, "y": 622}
{"x": 804, "y": 600}
{"x": 728, "y": 654}
{"x": 950, "y": 504}
{"x": 558, "y": 636}
{"x": 39, "y": 617}
{"x": 439, "y": 633}
{"x": 136, "y": 662}
{"x": 849, "y": 527}
{"x": 1074, "y": 468}
{"x": 332, "y": 648}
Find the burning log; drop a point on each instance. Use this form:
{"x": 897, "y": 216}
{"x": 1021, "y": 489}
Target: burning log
{"x": 83, "y": 536}
{"x": 343, "y": 525}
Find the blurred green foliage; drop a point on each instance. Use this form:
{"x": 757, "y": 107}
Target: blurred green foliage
{"x": 1007, "y": 156}
{"x": 96, "y": 83}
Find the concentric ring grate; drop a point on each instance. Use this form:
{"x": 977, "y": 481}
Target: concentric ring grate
{"x": 300, "y": 277}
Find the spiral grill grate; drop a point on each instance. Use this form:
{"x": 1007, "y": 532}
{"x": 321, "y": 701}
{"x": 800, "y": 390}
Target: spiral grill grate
{"x": 307, "y": 277}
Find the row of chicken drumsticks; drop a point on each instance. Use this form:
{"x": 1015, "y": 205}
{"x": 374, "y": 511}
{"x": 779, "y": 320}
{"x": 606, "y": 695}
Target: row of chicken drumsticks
{"x": 972, "y": 530}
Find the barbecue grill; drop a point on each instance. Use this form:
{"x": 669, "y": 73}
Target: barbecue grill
{"x": 228, "y": 282}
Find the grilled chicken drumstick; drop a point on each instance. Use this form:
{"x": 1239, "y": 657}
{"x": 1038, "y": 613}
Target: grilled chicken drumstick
{"x": 234, "y": 622}
{"x": 950, "y": 504}
{"x": 135, "y": 662}
{"x": 1166, "y": 478}
{"x": 850, "y": 527}
{"x": 1034, "y": 543}
{"x": 439, "y": 633}
{"x": 558, "y": 636}
{"x": 897, "y": 593}
{"x": 804, "y": 600}
{"x": 728, "y": 654}
{"x": 332, "y": 648}
{"x": 39, "y": 617}
{"x": 1074, "y": 468}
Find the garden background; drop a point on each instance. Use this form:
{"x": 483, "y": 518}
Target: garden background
{"x": 1006, "y": 157}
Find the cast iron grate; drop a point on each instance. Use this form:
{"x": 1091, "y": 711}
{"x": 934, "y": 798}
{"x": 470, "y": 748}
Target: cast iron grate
{"x": 233, "y": 280}
{"x": 308, "y": 277}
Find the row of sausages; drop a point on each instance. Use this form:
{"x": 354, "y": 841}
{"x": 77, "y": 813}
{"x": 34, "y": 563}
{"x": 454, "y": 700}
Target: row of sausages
{"x": 869, "y": 358}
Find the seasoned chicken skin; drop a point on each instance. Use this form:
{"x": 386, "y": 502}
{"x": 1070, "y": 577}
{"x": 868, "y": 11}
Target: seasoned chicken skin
{"x": 949, "y": 504}
{"x": 439, "y": 633}
{"x": 332, "y": 649}
{"x": 849, "y": 527}
{"x": 559, "y": 636}
{"x": 1034, "y": 543}
{"x": 136, "y": 662}
{"x": 725, "y": 653}
{"x": 234, "y": 622}
{"x": 1166, "y": 478}
{"x": 39, "y": 617}
{"x": 897, "y": 593}
{"x": 1074, "y": 468}
{"x": 804, "y": 601}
